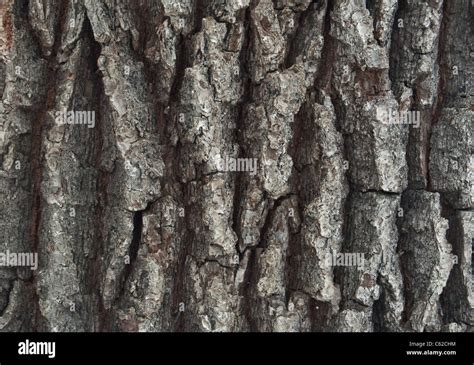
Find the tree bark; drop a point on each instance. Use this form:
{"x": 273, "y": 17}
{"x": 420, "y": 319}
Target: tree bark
{"x": 141, "y": 219}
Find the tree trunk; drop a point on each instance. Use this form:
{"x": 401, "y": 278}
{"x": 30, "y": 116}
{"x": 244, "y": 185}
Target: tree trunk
{"x": 237, "y": 165}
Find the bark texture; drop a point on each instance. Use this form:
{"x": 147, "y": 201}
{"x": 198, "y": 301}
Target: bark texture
{"x": 138, "y": 224}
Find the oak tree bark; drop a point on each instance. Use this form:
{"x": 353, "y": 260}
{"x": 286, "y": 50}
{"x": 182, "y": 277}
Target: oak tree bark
{"x": 140, "y": 227}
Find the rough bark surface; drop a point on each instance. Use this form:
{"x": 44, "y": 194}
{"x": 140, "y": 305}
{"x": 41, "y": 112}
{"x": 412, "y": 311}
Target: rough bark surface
{"x": 140, "y": 226}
